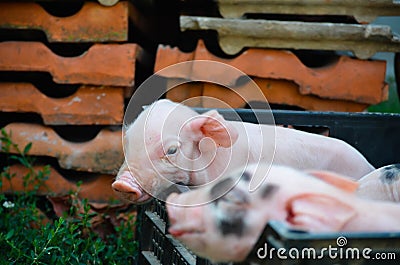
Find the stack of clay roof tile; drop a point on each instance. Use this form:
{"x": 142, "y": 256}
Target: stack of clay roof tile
{"x": 102, "y": 76}
{"x": 263, "y": 47}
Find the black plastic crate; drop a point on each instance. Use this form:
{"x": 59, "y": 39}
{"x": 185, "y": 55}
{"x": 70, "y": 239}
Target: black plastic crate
{"x": 375, "y": 135}
{"x": 156, "y": 246}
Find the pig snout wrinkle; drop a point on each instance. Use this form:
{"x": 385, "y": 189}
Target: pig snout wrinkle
{"x": 126, "y": 191}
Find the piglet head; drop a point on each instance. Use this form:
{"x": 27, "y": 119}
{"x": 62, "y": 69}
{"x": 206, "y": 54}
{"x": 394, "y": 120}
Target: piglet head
{"x": 169, "y": 143}
{"x": 225, "y": 228}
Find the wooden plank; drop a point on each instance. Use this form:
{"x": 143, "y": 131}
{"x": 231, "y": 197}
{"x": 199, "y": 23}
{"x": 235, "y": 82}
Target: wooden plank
{"x": 235, "y": 34}
{"x": 364, "y": 11}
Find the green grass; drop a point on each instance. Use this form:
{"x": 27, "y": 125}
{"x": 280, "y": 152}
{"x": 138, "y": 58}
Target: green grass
{"x": 392, "y": 105}
{"x": 26, "y": 239}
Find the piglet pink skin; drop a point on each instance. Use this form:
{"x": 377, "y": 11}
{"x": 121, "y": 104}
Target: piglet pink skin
{"x": 291, "y": 196}
{"x": 171, "y": 143}
{"x": 381, "y": 184}
{"x": 196, "y": 228}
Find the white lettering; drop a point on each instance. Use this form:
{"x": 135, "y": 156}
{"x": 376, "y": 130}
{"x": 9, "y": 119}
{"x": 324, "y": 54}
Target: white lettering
{"x": 352, "y": 251}
{"x": 312, "y": 253}
{"x": 330, "y": 252}
{"x": 297, "y": 253}
{"x": 309, "y": 251}
{"x": 264, "y": 255}
{"x": 366, "y": 252}
{"x": 321, "y": 255}
{"x": 281, "y": 251}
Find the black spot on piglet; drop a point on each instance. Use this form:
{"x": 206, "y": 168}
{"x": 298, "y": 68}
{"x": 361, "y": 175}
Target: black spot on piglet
{"x": 390, "y": 174}
{"x": 233, "y": 224}
{"x": 221, "y": 188}
{"x": 231, "y": 207}
{"x": 246, "y": 176}
{"x": 268, "y": 191}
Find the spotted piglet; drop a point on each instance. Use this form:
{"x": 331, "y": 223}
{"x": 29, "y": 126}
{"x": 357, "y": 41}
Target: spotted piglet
{"x": 227, "y": 228}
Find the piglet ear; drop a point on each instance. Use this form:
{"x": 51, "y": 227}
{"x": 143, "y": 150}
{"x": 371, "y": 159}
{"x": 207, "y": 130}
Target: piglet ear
{"x": 336, "y": 180}
{"x": 211, "y": 124}
{"x": 318, "y": 213}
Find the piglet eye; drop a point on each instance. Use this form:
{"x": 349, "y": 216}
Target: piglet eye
{"x": 172, "y": 150}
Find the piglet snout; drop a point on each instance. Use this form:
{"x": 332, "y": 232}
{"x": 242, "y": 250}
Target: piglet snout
{"x": 184, "y": 220}
{"x": 171, "y": 209}
{"x": 129, "y": 190}
{"x": 176, "y": 219}
{"x": 126, "y": 191}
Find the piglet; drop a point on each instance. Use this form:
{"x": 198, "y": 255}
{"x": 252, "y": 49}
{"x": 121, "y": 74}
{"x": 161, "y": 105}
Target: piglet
{"x": 171, "y": 143}
{"x": 227, "y": 228}
{"x": 381, "y": 184}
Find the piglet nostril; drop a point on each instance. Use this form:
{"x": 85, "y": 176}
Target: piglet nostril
{"x": 130, "y": 192}
{"x": 123, "y": 187}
